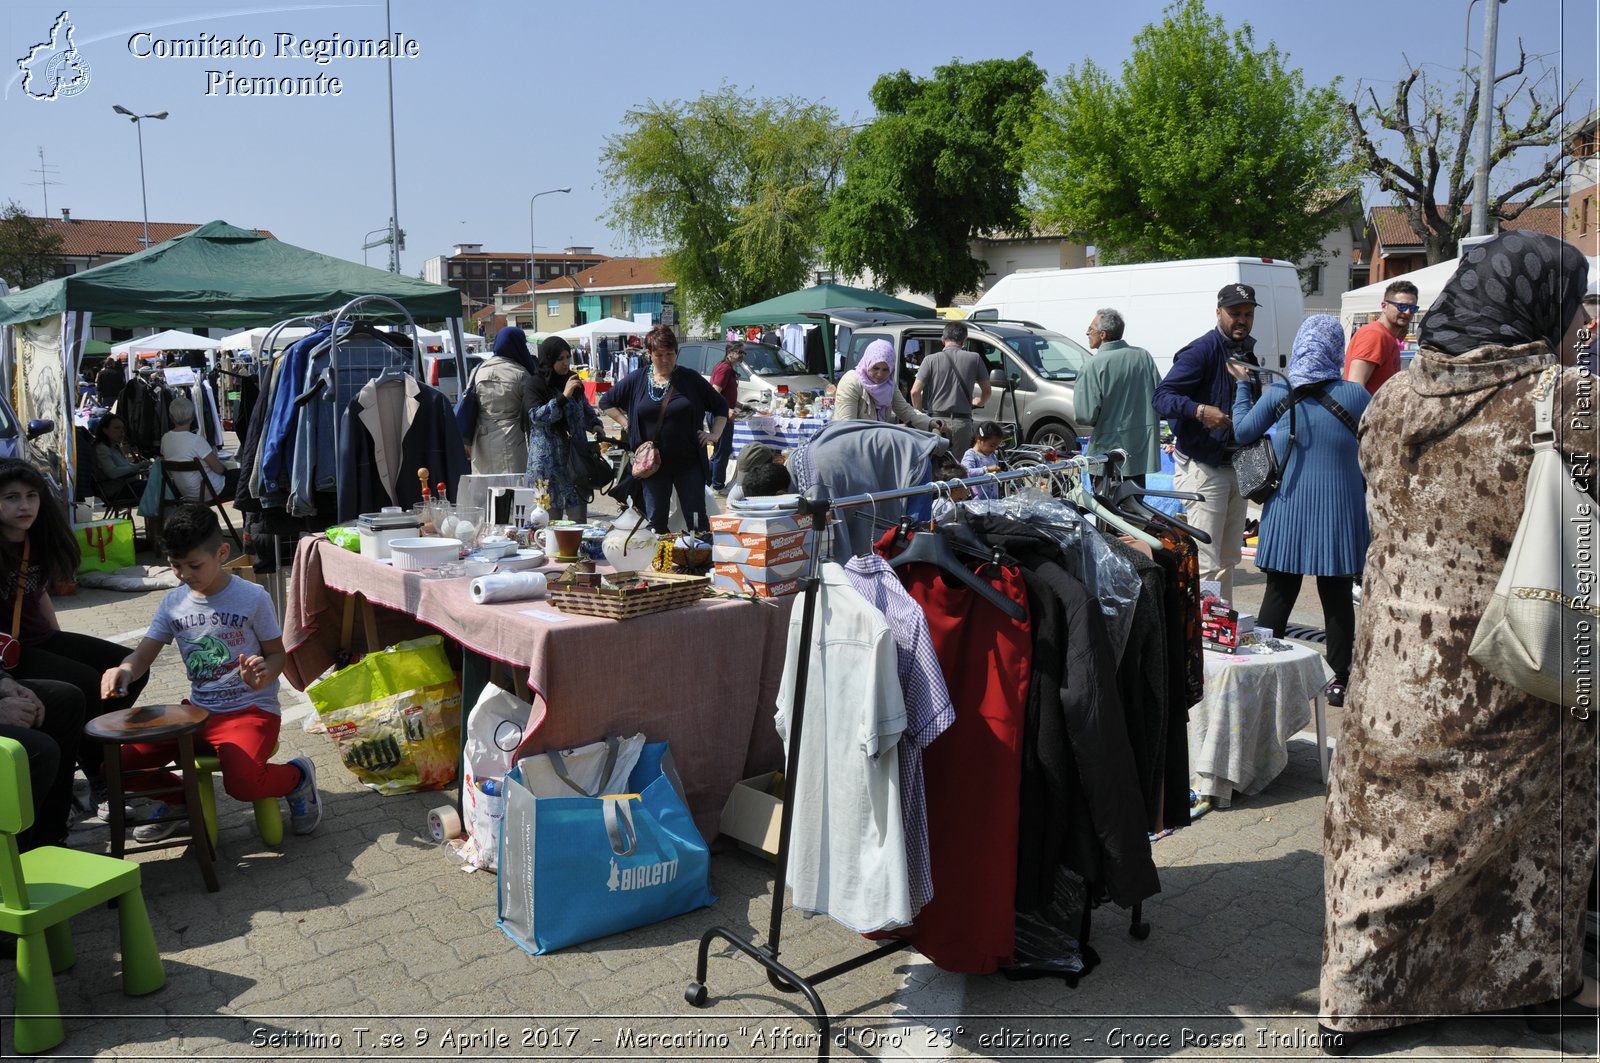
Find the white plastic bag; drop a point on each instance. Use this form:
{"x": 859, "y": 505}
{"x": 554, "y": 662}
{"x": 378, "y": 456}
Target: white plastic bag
{"x": 495, "y": 728}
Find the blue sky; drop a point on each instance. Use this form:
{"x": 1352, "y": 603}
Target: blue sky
{"x": 507, "y": 99}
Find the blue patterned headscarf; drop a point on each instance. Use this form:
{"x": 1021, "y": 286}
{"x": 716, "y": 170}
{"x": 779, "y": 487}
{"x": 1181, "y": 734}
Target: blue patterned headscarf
{"x": 1318, "y": 352}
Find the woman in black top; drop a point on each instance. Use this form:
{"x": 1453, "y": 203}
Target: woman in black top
{"x": 682, "y": 437}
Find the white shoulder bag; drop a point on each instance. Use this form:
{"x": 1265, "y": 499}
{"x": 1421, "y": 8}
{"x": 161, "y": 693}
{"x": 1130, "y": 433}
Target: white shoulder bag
{"x": 1538, "y": 633}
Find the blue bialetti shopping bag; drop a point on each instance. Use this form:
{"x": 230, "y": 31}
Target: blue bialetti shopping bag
{"x": 584, "y": 865}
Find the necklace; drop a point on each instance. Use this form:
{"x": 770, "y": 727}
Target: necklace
{"x": 656, "y": 393}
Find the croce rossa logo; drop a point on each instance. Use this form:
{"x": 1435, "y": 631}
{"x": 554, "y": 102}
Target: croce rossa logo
{"x": 54, "y": 68}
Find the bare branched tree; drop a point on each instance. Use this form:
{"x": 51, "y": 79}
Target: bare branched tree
{"x": 1432, "y": 176}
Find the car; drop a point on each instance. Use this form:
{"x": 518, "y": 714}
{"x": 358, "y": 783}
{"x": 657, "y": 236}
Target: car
{"x": 1031, "y": 369}
{"x": 439, "y": 371}
{"x": 766, "y": 372}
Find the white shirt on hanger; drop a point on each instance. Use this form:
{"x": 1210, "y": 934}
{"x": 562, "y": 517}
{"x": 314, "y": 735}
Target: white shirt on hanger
{"x": 847, "y": 851}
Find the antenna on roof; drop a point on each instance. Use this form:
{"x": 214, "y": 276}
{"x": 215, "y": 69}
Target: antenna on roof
{"x": 44, "y": 171}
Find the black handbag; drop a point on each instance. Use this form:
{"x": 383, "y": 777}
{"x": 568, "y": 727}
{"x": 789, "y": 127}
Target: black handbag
{"x": 587, "y": 467}
{"x": 1256, "y": 464}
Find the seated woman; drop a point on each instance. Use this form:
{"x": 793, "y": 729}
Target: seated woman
{"x": 867, "y": 393}
{"x": 183, "y": 443}
{"x": 117, "y": 475}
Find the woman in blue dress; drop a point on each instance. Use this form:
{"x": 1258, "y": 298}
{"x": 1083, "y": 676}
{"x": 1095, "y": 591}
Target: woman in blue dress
{"x": 559, "y": 413}
{"x": 1315, "y": 524}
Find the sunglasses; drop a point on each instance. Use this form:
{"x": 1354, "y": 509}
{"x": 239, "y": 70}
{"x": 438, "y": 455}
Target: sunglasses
{"x": 1404, "y": 308}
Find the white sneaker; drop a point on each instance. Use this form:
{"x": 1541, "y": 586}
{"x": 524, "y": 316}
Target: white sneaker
{"x": 305, "y": 804}
{"x": 162, "y": 821}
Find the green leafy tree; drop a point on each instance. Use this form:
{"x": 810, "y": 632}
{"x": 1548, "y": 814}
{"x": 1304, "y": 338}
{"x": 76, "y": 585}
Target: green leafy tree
{"x": 29, "y": 248}
{"x": 1207, "y": 146}
{"x": 730, "y": 187}
{"x": 940, "y": 165}
{"x": 1432, "y": 171}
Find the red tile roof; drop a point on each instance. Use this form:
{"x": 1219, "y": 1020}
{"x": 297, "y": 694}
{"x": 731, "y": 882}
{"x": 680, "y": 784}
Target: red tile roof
{"x": 615, "y": 273}
{"x": 1394, "y": 230}
{"x": 93, "y": 237}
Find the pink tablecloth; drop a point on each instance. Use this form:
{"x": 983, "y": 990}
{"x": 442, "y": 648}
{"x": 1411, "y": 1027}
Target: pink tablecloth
{"x": 704, "y": 678}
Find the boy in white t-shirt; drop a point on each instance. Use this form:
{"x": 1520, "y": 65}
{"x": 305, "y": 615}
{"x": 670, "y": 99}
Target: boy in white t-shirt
{"x": 232, "y": 647}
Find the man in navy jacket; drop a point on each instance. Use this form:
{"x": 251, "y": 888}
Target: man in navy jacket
{"x": 1195, "y": 397}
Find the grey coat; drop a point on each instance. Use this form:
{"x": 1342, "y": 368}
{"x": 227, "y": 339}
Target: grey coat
{"x": 505, "y": 394}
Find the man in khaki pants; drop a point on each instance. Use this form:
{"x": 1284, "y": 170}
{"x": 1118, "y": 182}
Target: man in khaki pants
{"x": 1195, "y": 396}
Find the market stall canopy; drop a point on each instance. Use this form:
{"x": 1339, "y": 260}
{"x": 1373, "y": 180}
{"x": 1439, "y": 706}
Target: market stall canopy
{"x": 225, "y": 277}
{"x": 794, "y": 306}
{"x": 251, "y": 339}
{"x": 606, "y": 326}
{"x": 170, "y": 340}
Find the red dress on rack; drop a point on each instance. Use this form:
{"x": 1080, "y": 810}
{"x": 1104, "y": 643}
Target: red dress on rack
{"x": 973, "y": 772}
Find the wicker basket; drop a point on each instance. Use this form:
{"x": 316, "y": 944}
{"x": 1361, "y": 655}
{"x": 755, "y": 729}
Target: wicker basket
{"x": 662, "y": 591}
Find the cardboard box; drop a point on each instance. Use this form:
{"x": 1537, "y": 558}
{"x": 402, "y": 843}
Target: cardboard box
{"x": 761, "y": 540}
{"x": 762, "y": 573}
{"x": 767, "y": 555}
{"x": 734, "y": 583}
{"x": 735, "y": 524}
{"x": 752, "y": 817}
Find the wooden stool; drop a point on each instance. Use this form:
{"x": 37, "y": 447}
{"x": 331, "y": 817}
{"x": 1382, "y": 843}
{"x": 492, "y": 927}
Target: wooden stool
{"x": 156, "y": 723}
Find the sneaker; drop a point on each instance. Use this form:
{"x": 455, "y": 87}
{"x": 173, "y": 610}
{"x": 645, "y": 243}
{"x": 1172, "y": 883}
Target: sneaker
{"x": 162, "y": 822}
{"x": 305, "y": 804}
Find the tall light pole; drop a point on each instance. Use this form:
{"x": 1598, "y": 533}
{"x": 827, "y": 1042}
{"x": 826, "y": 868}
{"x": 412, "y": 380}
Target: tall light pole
{"x": 135, "y": 119}
{"x": 533, "y": 298}
{"x": 1480, "y": 196}
{"x": 396, "y": 237}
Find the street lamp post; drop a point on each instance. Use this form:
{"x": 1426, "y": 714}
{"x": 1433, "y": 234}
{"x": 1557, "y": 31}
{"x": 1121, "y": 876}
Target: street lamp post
{"x": 143, "y": 199}
{"x": 533, "y": 299}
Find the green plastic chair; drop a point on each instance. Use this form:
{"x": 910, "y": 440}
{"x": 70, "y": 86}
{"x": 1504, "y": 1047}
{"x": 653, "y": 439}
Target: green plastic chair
{"x": 39, "y": 891}
{"x": 269, "y": 816}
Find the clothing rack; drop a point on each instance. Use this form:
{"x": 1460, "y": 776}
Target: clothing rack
{"x": 780, "y": 976}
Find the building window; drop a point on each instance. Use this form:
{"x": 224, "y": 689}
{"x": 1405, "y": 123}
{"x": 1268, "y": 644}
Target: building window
{"x": 456, "y": 271}
{"x": 1311, "y": 280}
{"x": 552, "y": 308}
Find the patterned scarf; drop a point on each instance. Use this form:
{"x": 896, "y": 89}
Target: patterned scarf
{"x": 1517, "y": 288}
{"x": 1318, "y": 351}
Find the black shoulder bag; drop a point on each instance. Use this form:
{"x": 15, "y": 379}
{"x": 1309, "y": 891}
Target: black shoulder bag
{"x": 1256, "y": 464}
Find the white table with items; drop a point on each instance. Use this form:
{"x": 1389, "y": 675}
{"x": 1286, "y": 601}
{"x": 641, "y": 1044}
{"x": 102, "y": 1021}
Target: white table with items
{"x": 1254, "y": 703}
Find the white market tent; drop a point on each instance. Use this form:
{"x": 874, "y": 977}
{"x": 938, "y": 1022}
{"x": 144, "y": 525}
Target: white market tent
{"x": 170, "y": 340}
{"x": 606, "y": 326}
{"x": 1430, "y": 281}
{"x": 251, "y": 339}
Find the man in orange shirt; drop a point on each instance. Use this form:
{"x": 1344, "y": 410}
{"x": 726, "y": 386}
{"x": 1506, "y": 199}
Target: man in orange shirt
{"x": 1374, "y": 353}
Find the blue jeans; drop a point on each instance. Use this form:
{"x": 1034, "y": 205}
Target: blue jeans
{"x": 690, "y": 483}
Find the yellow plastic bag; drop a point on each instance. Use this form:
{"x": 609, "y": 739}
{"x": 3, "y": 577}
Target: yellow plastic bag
{"x": 395, "y": 716}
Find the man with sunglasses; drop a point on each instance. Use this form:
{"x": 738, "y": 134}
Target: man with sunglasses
{"x": 1374, "y": 352}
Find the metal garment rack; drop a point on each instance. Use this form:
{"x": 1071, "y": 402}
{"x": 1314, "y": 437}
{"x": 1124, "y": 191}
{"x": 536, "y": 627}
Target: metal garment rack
{"x": 780, "y": 976}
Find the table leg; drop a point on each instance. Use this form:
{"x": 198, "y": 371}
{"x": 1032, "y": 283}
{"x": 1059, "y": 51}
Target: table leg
{"x": 115, "y": 800}
{"x": 199, "y": 839}
{"x": 1322, "y": 734}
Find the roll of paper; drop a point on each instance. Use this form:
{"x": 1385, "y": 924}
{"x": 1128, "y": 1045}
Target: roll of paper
{"x": 508, "y": 587}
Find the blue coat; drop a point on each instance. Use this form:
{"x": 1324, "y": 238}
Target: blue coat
{"x": 1199, "y": 377}
{"x": 1316, "y": 522}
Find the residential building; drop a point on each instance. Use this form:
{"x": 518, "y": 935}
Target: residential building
{"x": 1582, "y": 186}
{"x": 1396, "y": 248}
{"x": 618, "y": 287}
{"x": 1324, "y": 285}
{"x": 478, "y": 275}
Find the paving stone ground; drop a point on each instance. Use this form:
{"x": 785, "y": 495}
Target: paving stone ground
{"x": 365, "y": 940}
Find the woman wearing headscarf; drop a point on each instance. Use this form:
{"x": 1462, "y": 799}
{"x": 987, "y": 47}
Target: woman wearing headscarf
{"x": 1460, "y": 823}
{"x": 867, "y": 392}
{"x": 1315, "y": 524}
{"x": 505, "y": 390}
{"x": 557, "y": 413}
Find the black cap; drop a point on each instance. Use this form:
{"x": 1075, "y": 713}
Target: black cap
{"x": 1236, "y": 295}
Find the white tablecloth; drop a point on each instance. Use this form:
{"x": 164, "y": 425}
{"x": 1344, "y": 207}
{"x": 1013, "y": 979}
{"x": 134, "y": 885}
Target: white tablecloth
{"x": 1239, "y": 734}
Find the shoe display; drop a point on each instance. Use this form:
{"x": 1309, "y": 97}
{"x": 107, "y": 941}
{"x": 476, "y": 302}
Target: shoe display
{"x": 1334, "y": 692}
{"x": 162, "y": 821}
{"x": 305, "y": 804}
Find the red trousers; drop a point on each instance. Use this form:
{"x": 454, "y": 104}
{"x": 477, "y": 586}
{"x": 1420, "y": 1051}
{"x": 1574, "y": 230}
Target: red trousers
{"x": 242, "y": 740}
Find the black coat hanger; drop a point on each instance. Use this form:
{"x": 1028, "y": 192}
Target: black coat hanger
{"x": 932, "y": 548}
{"x": 1128, "y": 498}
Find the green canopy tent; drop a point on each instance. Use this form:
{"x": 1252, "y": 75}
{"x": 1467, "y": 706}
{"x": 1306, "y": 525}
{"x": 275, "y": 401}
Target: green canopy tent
{"x": 797, "y": 307}
{"x": 216, "y": 276}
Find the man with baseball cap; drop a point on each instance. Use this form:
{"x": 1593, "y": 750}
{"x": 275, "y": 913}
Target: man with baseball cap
{"x": 1195, "y": 396}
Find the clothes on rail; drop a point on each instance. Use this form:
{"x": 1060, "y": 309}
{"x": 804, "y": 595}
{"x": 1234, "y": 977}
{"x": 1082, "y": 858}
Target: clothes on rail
{"x": 390, "y": 429}
{"x": 1079, "y": 752}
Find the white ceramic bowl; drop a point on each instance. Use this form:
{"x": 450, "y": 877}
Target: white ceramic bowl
{"x": 426, "y": 551}
{"x": 497, "y": 546}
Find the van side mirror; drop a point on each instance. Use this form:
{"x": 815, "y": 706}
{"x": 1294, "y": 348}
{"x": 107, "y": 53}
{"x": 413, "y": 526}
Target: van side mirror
{"x": 999, "y": 379}
{"x": 40, "y": 427}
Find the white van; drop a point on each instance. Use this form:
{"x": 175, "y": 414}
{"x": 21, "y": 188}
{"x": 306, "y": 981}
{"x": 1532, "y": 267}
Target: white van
{"x": 1166, "y": 304}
